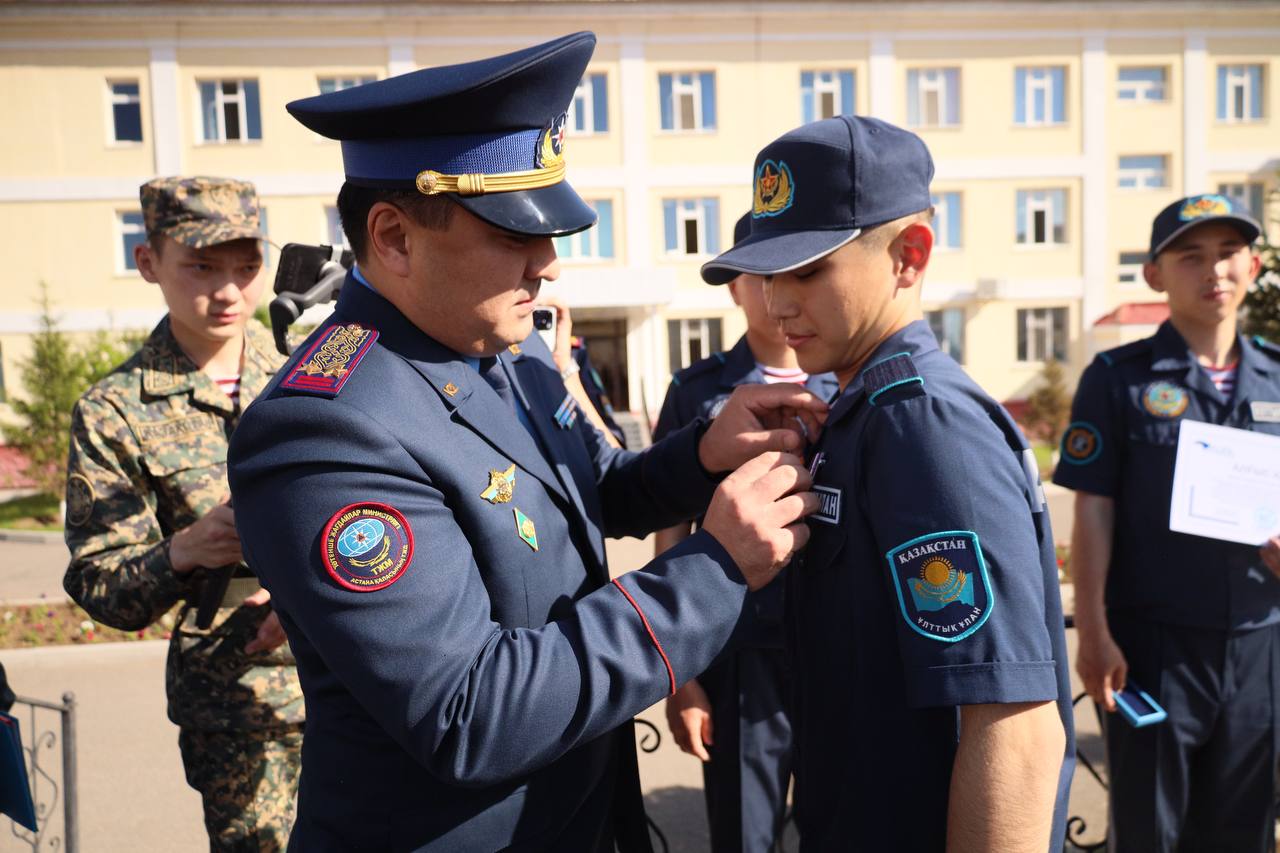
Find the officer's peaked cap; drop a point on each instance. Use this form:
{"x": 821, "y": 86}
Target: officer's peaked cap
{"x": 490, "y": 134}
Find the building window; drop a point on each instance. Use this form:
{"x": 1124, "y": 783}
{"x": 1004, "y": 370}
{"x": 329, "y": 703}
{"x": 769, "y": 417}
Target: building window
{"x": 334, "y": 235}
{"x": 688, "y": 101}
{"x": 946, "y": 220}
{"x": 266, "y": 244}
{"x": 129, "y": 224}
{"x": 1039, "y": 96}
{"x": 691, "y": 226}
{"x": 933, "y": 97}
{"x": 594, "y": 243}
{"x": 329, "y": 85}
{"x": 1239, "y": 93}
{"x": 1129, "y": 268}
{"x": 691, "y": 340}
{"x": 948, "y": 327}
{"x": 824, "y": 94}
{"x": 589, "y": 109}
{"x": 1042, "y": 217}
{"x": 229, "y": 110}
{"x": 1143, "y": 172}
{"x": 126, "y": 111}
{"x": 1250, "y": 195}
{"x": 1042, "y": 334}
{"x": 1142, "y": 84}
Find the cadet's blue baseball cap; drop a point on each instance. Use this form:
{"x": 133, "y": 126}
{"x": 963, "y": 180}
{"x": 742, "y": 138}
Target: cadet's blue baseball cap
{"x": 489, "y": 134}
{"x": 742, "y": 228}
{"x": 1193, "y": 211}
{"x": 819, "y": 186}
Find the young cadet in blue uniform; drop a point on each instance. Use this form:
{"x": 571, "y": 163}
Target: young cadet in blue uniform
{"x": 1193, "y": 621}
{"x": 433, "y": 508}
{"x": 933, "y": 707}
{"x": 734, "y": 716}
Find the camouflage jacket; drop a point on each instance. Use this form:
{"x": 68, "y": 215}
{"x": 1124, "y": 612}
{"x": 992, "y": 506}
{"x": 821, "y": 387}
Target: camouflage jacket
{"x": 148, "y": 458}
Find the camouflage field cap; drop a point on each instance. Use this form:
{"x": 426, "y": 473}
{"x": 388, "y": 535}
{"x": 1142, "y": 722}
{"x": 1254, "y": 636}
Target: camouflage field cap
{"x": 201, "y": 212}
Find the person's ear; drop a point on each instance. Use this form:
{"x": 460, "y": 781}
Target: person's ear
{"x": 145, "y": 259}
{"x": 1151, "y": 272}
{"x": 914, "y": 247}
{"x": 388, "y": 237}
{"x": 733, "y": 291}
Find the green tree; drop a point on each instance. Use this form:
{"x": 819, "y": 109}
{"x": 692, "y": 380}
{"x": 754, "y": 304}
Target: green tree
{"x": 1262, "y": 304}
{"x": 54, "y": 376}
{"x": 1049, "y": 405}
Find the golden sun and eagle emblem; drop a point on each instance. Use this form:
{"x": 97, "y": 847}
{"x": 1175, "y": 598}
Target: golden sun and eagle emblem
{"x": 775, "y": 189}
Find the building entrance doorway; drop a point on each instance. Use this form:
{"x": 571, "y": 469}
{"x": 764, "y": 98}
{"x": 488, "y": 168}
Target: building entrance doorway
{"x": 607, "y": 346}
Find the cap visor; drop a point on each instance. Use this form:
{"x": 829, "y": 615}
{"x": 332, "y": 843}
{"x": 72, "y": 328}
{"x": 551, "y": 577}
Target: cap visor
{"x": 1248, "y": 229}
{"x": 770, "y": 253}
{"x": 552, "y": 211}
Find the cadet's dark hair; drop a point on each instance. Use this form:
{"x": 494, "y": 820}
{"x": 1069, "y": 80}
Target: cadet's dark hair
{"x": 355, "y": 202}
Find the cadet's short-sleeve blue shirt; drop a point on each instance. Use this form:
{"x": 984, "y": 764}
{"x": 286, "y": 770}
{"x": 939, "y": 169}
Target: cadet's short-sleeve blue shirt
{"x": 1122, "y": 443}
{"x": 930, "y": 582}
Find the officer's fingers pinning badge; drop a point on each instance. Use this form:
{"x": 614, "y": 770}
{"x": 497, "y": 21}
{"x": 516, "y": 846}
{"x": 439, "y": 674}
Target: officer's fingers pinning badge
{"x": 942, "y": 585}
{"x": 80, "y": 498}
{"x": 366, "y": 546}
{"x": 1081, "y": 443}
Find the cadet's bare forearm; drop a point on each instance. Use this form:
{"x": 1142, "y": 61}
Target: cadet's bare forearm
{"x": 1005, "y": 778}
{"x": 1091, "y": 557}
{"x": 669, "y": 537}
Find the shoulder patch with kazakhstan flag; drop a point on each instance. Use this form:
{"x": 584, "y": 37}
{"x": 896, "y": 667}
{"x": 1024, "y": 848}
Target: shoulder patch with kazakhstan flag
{"x": 331, "y": 360}
{"x": 942, "y": 585}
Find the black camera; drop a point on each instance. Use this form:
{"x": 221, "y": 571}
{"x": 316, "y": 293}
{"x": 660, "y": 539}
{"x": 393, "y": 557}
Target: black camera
{"x": 305, "y": 276}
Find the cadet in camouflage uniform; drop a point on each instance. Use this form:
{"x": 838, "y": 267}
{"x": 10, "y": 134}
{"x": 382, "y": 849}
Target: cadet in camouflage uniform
{"x": 147, "y": 511}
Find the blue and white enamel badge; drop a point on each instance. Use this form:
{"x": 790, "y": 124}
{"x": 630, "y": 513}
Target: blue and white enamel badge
{"x": 942, "y": 585}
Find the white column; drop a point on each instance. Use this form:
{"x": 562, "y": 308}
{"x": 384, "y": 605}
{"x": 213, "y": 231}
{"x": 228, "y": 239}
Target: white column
{"x": 166, "y": 134}
{"x": 642, "y": 352}
{"x": 400, "y": 58}
{"x": 1195, "y": 116}
{"x": 1095, "y": 89}
{"x": 881, "y": 79}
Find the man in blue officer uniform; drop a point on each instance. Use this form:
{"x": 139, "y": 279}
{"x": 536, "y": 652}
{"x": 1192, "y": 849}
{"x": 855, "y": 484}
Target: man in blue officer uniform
{"x": 1193, "y": 621}
{"x": 432, "y": 509}
{"x": 933, "y": 706}
{"x": 734, "y": 716}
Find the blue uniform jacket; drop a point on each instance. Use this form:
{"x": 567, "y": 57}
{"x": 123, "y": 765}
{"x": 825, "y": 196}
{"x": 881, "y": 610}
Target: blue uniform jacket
{"x": 699, "y": 391}
{"x": 1122, "y": 443}
{"x": 478, "y": 697}
{"x": 929, "y": 582}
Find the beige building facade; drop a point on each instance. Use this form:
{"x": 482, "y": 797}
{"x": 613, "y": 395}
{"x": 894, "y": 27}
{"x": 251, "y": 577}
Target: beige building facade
{"x": 1059, "y": 129}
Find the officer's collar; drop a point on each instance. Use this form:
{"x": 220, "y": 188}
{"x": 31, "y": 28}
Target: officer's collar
{"x": 1170, "y": 351}
{"x": 167, "y": 370}
{"x": 739, "y": 365}
{"x": 914, "y": 339}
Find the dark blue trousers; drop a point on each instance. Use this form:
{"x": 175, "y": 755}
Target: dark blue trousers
{"x": 746, "y": 780}
{"x": 1204, "y": 780}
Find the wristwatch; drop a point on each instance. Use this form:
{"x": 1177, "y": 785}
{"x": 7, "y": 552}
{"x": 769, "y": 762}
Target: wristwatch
{"x": 570, "y": 369}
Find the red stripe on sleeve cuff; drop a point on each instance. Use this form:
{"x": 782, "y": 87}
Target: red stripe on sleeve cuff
{"x": 670, "y": 672}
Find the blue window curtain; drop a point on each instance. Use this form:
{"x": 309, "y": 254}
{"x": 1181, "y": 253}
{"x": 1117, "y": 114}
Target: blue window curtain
{"x": 1020, "y": 97}
{"x": 808, "y": 112}
{"x": 846, "y": 93}
{"x": 711, "y": 216}
{"x": 669, "y": 225}
{"x": 1058, "y": 78}
{"x": 136, "y": 238}
{"x": 707, "y": 80}
{"x": 604, "y": 228}
{"x": 951, "y": 96}
{"x": 209, "y": 110}
{"x": 665, "y": 102}
{"x": 599, "y": 103}
{"x": 913, "y": 97}
{"x": 252, "y": 113}
{"x": 1255, "y": 91}
{"x": 1021, "y": 222}
{"x": 1222, "y": 93}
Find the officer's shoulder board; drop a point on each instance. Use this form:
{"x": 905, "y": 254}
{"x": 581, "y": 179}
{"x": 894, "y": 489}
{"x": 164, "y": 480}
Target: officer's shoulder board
{"x": 330, "y": 361}
{"x": 892, "y": 379}
{"x": 702, "y": 366}
{"x": 1266, "y": 346}
{"x": 1115, "y": 355}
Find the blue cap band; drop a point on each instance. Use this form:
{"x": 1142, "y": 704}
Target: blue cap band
{"x": 473, "y": 153}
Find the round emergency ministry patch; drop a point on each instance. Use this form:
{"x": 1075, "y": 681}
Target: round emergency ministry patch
{"x": 367, "y": 546}
{"x": 942, "y": 585}
{"x": 1081, "y": 443}
{"x": 1164, "y": 399}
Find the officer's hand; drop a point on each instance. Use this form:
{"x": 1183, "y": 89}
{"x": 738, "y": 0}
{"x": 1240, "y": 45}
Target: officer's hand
{"x": 758, "y": 512}
{"x": 562, "y": 354}
{"x": 689, "y": 718}
{"x": 209, "y": 543}
{"x": 1101, "y": 666}
{"x": 759, "y": 418}
{"x": 1271, "y": 555}
{"x": 270, "y": 635}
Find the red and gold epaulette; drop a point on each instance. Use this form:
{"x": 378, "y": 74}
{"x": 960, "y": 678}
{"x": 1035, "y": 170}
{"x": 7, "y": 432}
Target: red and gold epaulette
{"x": 331, "y": 360}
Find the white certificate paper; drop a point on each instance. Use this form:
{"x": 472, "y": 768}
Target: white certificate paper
{"x": 1226, "y": 484}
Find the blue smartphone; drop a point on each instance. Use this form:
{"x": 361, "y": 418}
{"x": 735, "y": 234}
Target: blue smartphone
{"x": 1137, "y": 706}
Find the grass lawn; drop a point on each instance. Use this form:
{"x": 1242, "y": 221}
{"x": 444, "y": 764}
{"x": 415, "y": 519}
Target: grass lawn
{"x": 33, "y": 512}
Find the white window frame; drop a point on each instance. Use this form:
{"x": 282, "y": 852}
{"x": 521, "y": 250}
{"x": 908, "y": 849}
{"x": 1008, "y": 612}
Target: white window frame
{"x": 221, "y": 100}
{"x": 123, "y": 229}
{"x": 1241, "y": 192}
{"x": 333, "y": 227}
{"x": 828, "y": 86}
{"x": 941, "y": 223}
{"x": 1238, "y": 80}
{"x": 1131, "y": 269}
{"x": 1040, "y": 78}
{"x": 1142, "y": 177}
{"x": 1036, "y": 324}
{"x": 694, "y": 90}
{"x": 934, "y": 81}
{"x": 592, "y": 236}
{"x": 345, "y": 81}
{"x": 586, "y": 91}
{"x": 1141, "y": 89}
{"x": 113, "y": 100}
{"x": 684, "y": 214}
{"x": 704, "y": 334}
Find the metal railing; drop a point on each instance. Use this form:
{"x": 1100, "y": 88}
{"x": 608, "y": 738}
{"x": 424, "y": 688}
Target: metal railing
{"x": 39, "y": 745}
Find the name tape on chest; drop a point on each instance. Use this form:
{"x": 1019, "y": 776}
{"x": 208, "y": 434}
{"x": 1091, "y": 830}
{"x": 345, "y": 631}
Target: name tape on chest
{"x": 942, "y": 585}
{"x": 331, "y": 360}
{"x": 829, "y": 511}
{"x": 1265, "y": 412}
